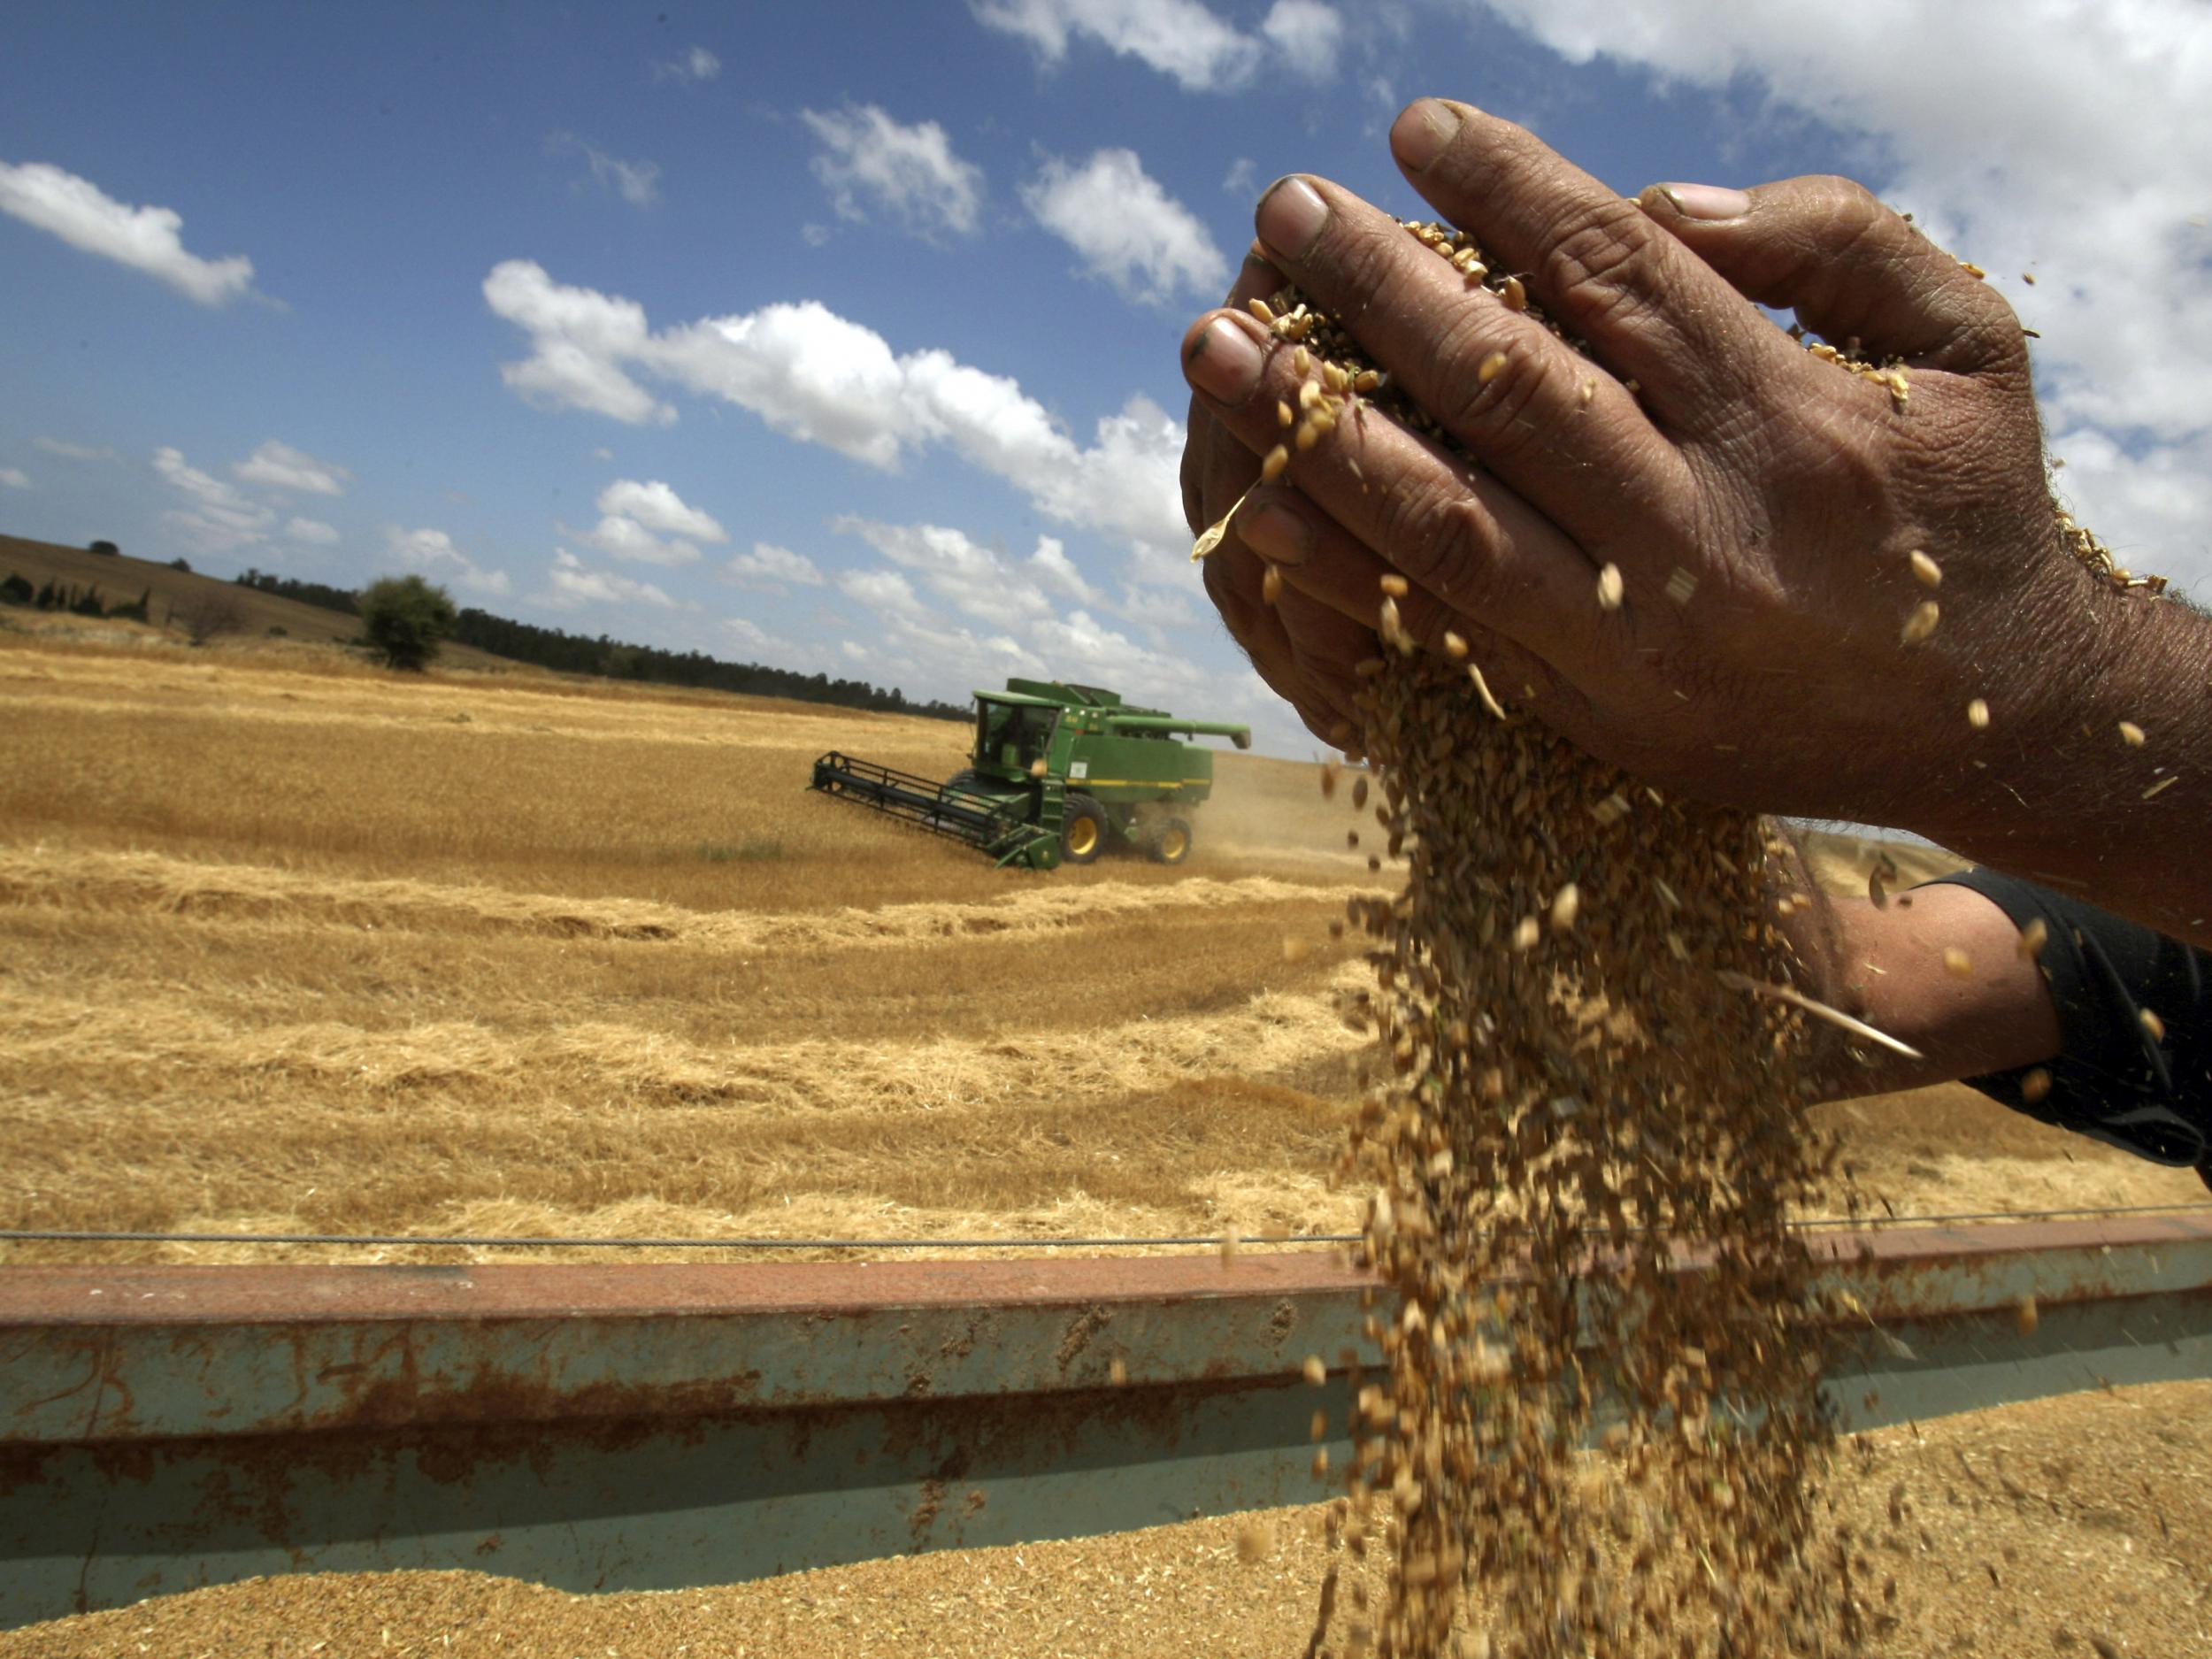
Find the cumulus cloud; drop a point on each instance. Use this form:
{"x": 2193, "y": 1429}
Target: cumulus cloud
{"x": 657, "y": 507}
{"x": 2045, "y": 135}
{"x": 973, "y": 578}
{"x": 1179, "y": 38}
{"x": 813, "y": 375}
{"x": 216, "y": 517}
{"x": 637, "y": 182}
{"x": 281, "y": 467}
{"x": 1127, "y": 229}
{"x": 695, "y": 67}
{"x": 14, "y": 478}
{"x": 149, "y": 239}
{"x": 310, "y": 533}
{"x": 74, "y": 451}
{"x": 1182, "y": 39}
{"x": 432, "y": 553}
{"x": 634, "y": 518}
{"x": 773, "y": 569}
{"x": 908, "y": 173}
{"x": 581, "y": 337}
{"x": 572, "y": 584}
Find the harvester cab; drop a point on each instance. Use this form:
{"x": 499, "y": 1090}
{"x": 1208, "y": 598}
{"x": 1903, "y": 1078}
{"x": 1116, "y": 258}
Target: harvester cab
{"x": 1057, "y": 772}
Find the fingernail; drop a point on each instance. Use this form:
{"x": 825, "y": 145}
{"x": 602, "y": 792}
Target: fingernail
{"x": 1276, "y": 533}
{"x": 1705, "y": 201}
{"x": 1422, "y": 130}
{"x": 1225, "y": 362}
{"x": 1291, "y": 215}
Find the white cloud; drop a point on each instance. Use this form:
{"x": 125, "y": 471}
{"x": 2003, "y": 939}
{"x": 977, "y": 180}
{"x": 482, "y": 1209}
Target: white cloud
{"x": 603, "y": 453}
{"x": 433, "y": 553}
{"x": 217, "y": 517}
{"x": 14, "y": 478}
{"x": 1179, "y": 38}
{"x": 1182, "y": 39}
{"x": 657, "y": 507}
{"x": 1050, "y": 566}
{"x": 281, "y": 467}
{"x": 574, "y": 584}
{"x": 1127, "y": 229}
{"x": 144, "y": 238}
{"x": 74, "y": 451}
{"x": 696, "y": 65}
{"x": 773, "y": 569}
{"x": 579, "y": 337}
{"x": 635, "y": 517}
{"x": 908, "y": 172}
{"x": 976, "y": 579}
{"x": 1243, "y": 177}
{"x": 311, "y": 532}
{"x": 1307, "y": 35}
{"x": 637, "y": 182}
{"x": 628, "y": 539}
{"x": 2042, "y": 135}
{"x": 818, "y": 377}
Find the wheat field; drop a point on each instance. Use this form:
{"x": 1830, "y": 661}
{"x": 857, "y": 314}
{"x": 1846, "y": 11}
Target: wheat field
{"x": 289, "y": 944}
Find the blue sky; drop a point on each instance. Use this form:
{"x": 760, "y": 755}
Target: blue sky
{"x": 843, "y": 337}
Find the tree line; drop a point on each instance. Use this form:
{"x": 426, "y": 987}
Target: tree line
{"x": 615, "y": 659}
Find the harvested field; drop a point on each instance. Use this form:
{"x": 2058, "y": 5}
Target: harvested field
{"x": 288, "y": 944}
{"x": 2078, "y": 1527}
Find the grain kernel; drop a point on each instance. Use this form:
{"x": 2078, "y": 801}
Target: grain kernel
{"x": 1922, "y": 623}
{"x": 1392, "y": 584}
{"x": 1271, "y": 584}
{"x": 1515, "y": 294}
{"x": 1958, "y": 963}
{"x": 1117, "y": 1371}
{"x": 1565, "y": 906}
{"x": 1314, "y": 1370}
{"x": 1927, "y": 569}
{"x": 1455, "y": 647}
{"x": 1978, "y": 714}
{"x": 2152, "y": 1024}
{"x": 1609, "y": 587}
{"x": 1277, "y": 458}
{"x": 1261, "y": 309}
{"x": 2131, "y": 734}
{"x": 2035, "y": 1084}
{"x": 1524, "y": 933}
{"x": 2027, "y": 1316}
{"x": 1490, "y": 367}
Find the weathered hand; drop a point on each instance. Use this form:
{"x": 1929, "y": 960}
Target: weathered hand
{"x": 1762, "y": 507}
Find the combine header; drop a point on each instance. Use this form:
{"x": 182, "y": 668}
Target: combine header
{"x": 1058, "y": 771}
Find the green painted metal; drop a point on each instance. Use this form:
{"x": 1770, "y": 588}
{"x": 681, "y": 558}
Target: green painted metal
{"x": 651, "y": 1426}
{"x": 1053, "y": 759}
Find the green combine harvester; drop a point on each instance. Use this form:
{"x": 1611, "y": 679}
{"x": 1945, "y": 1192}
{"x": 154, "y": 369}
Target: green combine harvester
{"x": 1058, "y": 772}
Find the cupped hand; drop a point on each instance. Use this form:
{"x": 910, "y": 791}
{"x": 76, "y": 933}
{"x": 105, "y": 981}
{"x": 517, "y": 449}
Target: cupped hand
{"x": 1777, "y": 523}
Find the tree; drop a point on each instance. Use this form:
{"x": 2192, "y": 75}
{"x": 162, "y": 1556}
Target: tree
{"x": 406, "y": 618}
{"x": 107, "y": 548}
{"x": 207, "y": 612}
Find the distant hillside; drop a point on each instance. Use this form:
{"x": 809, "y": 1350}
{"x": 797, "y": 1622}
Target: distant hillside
{"x": 121, "y": 579}
{"x": 315, "y": 610}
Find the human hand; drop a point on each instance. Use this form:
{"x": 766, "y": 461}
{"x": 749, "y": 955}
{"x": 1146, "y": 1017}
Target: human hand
{"x": 1760, "y": 507}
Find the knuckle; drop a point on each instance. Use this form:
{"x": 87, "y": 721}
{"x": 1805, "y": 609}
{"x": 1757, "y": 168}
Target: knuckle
{"x": 1444, "y": 543}
{"x": 1600, "y": 266}
{"x": 1496, "y": 415}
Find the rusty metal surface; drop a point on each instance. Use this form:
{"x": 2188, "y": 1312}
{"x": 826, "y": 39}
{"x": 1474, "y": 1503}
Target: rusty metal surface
{"x": 649, "y": 1426}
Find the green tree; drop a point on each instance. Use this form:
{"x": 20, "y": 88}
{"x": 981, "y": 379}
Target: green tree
{"x": 406, "y": 618}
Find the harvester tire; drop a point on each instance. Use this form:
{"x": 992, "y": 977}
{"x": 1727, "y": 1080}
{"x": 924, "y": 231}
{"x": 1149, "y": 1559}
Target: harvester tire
{"x": 1082, "y": 829}
{"x": 1169, "y": 842}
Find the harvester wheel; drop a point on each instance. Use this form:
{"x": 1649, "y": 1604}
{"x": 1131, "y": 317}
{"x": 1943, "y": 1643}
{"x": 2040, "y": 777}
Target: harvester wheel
{"x": 1082, "y": 829}
{"x": 1169, "y": 842}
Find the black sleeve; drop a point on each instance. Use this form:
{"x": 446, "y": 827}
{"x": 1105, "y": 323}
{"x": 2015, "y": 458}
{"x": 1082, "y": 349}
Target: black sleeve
{"x": 2117, "y": 1078}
